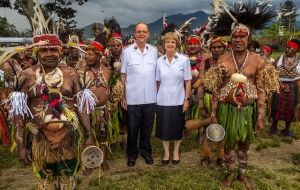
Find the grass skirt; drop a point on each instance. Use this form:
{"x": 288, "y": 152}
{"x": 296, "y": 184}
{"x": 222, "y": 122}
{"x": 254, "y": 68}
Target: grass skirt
{"x": 238, "y": 124}
{"x": 43, "y": 155}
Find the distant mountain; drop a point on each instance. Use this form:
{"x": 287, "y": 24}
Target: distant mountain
{"x": 156, "y": 27}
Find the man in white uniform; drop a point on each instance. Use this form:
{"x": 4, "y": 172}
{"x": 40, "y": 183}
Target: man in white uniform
{"x": 138, "y": 76}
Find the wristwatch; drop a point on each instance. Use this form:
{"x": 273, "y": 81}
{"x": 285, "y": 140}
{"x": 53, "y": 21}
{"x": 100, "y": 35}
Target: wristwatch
{"x": 187, "y": 98}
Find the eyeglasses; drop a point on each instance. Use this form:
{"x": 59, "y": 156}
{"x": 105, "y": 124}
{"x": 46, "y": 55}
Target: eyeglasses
{"x": 141, "y": 32}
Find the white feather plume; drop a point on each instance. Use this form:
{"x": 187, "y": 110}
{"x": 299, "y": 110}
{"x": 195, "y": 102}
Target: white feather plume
{"x": 185, "y": 24}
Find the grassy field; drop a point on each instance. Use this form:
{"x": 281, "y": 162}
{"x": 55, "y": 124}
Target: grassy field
{"x": 189, "y": 174}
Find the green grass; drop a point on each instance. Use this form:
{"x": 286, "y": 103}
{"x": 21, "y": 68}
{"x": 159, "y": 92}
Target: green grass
{"x": 202, "y": 178}
{"x": 265, "y": 141}
{"x": 187, "y": 145}
{"x": 290, "y": 171}
{"x": 7, "y": 158}
{"x": 190, "y": 177}
{"x": 274, "y": 55}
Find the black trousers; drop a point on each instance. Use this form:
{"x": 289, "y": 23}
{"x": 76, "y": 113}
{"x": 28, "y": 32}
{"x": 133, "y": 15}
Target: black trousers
{"x": 139, "y": 121}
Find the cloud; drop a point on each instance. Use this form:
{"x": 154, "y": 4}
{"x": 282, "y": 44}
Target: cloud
{"x": 129, "y": 11}
{"x": 126, "y": 11}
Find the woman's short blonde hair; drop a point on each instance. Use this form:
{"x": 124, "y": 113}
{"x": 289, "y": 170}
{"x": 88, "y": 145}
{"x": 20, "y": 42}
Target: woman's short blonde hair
{"x": 171, "y": 36}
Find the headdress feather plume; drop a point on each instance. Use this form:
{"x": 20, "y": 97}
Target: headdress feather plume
{"x": 253, "y": 14}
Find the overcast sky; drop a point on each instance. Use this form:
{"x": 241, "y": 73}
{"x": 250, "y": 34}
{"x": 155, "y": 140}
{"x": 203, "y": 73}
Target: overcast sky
{"x": 126, "y": 11}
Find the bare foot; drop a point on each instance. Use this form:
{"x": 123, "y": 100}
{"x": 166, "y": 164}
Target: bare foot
{"x": 87, "y": 171}
{"x": 104, "y": 166}
{"x": 247, "y": 183}
{"x": 206, "y": 161}
{"x": 227, "y": 182}
{"x": 220, "y": 162}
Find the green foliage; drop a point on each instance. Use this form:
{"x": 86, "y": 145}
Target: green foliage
{"x": 6, "y": 29}
{"x": 289, "y": 14}
{"x": 5, "y": 4}
{"x": 63, "y": 9}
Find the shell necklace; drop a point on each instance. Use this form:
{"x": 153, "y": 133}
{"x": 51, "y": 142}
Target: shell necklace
{"x": 239, "y": 76}
{"x": 235, "y": 62}
{"x": 291, "y": 63}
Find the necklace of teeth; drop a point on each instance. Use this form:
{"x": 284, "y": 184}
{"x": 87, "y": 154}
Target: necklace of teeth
{"x": 235, "y": 62}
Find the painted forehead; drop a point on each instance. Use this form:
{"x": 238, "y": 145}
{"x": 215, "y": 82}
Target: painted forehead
{"x": 240, "y": 30}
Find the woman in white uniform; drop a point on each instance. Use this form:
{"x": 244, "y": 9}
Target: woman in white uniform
{"x": 173, "y": 76}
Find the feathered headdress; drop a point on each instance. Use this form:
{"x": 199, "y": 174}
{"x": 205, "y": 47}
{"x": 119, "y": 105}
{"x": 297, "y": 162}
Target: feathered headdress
{"x": 43, "y": 35}
{"x": 74, "y": 43}
{"x": 186, "y": 24}
{"x": 171, "y": 28}
{"x": 111, "y": 26}
{"x": 42, "y": 30}
{"x": 254, "y": 15}
{"x": 164, "y": 21}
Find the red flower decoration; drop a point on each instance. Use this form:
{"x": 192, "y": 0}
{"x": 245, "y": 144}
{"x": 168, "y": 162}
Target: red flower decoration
{"x": 195, "y": 67}
{"x": 44, "y": 97}
{"x": 54, "y": 102}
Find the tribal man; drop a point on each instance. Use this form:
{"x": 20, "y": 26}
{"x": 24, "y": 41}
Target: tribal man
{"x": 94, "y": 79}
{"x": 238, "y": 102}
{"x": 115, "y": 47}
{"x": 217, "y": 46}
{"x": 194, "y": 53}
{"x": 45, "y": 105}
{"x": 74, "y": 58}
{"x": 285, "y": 103}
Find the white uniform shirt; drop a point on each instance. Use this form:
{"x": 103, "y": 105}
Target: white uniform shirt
{"x": 171, "y": 91}
{"x": 140, "y": 69}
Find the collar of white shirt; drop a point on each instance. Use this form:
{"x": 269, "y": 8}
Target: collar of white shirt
{"x": 175, "y": 58}
{"x": 137, "y": 49}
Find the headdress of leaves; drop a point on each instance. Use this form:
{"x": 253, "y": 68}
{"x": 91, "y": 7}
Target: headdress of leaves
{"x": 40, "y": 24}
{"x": 74, "y": 43}
{"x": 255, "y": 15}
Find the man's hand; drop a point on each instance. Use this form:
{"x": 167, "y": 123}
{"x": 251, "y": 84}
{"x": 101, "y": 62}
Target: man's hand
{"x": 213, "y": 119}
{"x": 203, "y": 114}
{"x": 196, "y": 84}
{"x": 89, "y": 141}
{"x": 24, "y": 155}
{"x": 258, "y": 126}
{"x": 186, "y": 105}
{"x": 124, "y": 103}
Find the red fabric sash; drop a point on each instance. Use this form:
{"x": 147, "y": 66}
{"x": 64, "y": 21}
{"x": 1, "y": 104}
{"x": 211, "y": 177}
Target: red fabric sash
{"x": 4, "y": 128}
